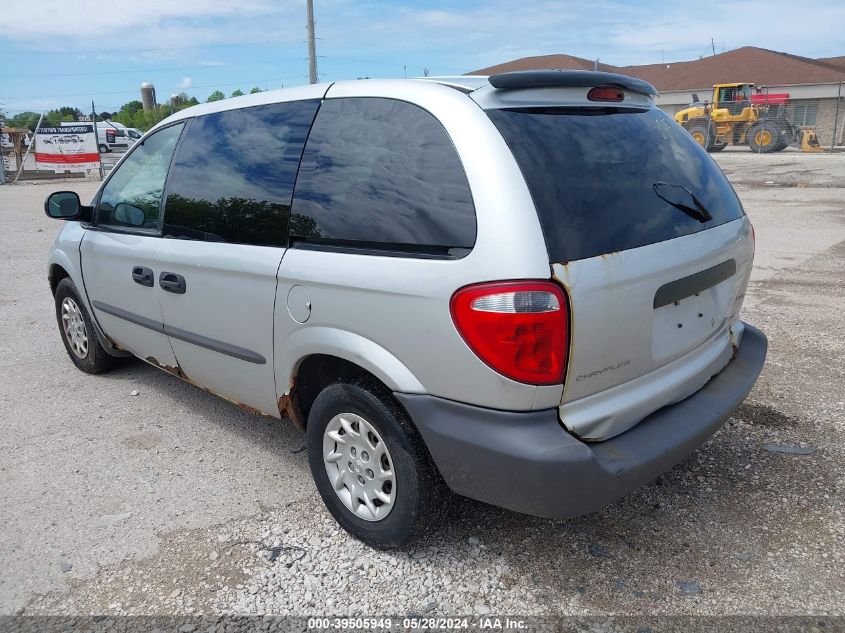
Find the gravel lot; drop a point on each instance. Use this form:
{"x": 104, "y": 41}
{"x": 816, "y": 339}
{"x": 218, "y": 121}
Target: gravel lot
{"x": 175, "y": 501}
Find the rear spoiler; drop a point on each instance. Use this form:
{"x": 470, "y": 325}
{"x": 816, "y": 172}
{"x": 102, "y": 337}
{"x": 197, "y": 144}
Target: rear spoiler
{"x": 523, "y": 79}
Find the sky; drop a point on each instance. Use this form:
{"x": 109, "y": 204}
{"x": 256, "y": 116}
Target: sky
{"x": 55, "y": 53}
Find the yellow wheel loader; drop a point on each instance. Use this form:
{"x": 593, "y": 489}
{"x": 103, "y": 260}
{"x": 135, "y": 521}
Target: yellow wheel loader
{"x": 738, "y": 116}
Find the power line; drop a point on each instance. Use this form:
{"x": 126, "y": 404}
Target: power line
{"x": 150, "y": 70}
{"x": 135, "y": 90}
{"x": 157, "y": 49}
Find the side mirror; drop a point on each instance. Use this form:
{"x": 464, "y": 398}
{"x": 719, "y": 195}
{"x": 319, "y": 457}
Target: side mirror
{"x": 65, "y": 205}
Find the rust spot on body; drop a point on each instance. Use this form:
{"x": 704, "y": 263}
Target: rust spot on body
{"x": 176, "y": 371}
{"x": 289, "y": 406}
{"x": 249, "y": 409}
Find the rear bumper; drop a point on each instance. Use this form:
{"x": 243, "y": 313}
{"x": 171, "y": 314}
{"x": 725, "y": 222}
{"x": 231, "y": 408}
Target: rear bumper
{"x": 527, "y": 462}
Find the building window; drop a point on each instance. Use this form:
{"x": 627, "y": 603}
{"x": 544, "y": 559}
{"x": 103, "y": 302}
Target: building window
{"x": 805, "y": 113}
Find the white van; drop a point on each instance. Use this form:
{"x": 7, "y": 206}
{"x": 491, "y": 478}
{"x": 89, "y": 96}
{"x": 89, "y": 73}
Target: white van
{"x": 110, "y": 135}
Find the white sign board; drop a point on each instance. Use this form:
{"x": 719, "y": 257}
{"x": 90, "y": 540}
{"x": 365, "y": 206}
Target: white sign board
{"x": 66, "y": 148}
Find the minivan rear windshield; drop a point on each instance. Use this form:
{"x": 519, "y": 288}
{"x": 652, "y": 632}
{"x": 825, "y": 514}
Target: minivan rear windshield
{"x": 611, "y": 179}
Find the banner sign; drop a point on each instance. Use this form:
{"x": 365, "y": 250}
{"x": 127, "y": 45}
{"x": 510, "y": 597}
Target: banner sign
{"x": 66, "y": 148}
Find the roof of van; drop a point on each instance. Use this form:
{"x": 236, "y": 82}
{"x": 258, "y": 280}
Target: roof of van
{"x": 464, "y": 83}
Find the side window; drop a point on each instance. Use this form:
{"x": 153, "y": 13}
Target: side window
{"x": 382, "y": 173}
{"x": 232, "y": 178}
{"x": 131, "y": 198}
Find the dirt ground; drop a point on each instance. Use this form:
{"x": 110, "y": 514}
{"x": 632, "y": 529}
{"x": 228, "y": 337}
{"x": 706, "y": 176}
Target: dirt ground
{"x": 175, "y": 501}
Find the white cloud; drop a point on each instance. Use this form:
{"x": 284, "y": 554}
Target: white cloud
{"x": 185, "y": 83}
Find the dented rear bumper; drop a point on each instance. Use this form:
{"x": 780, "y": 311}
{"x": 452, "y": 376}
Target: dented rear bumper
{"x": 526, "y": 462}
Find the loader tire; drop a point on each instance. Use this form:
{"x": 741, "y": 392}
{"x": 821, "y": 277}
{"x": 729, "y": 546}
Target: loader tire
{"x": 764, "y": 137}
{"x": 701, "y": 134}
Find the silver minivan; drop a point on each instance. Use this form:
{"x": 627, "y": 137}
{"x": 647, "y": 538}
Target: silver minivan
{"x": 523, "y": 288}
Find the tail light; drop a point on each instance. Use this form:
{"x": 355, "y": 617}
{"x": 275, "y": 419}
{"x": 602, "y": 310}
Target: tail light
{"x": 520, "y": 329}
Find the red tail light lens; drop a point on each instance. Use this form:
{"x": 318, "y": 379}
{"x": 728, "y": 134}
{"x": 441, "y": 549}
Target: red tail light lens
{"x": 606, "y": 93}
{"x": 520, "y": 329}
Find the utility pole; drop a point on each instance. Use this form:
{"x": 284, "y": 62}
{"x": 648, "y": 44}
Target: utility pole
{"x": 96, "y": 137}
{"x": 312, "y": 48}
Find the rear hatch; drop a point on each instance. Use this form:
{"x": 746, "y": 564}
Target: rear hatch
{"x": 652, "y": 245}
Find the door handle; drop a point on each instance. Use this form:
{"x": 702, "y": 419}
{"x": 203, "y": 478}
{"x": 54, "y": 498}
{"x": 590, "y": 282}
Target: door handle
{"x": 143, "y": 276}
{"x": 171, "y": 282}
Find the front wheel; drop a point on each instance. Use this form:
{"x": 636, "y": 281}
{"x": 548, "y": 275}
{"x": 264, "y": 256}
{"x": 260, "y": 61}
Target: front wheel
{"x": 370, "y": 465}
{"x": 77, "y": 331}
{"x": 702, "y": 134}
{"x": 764, "y": 137}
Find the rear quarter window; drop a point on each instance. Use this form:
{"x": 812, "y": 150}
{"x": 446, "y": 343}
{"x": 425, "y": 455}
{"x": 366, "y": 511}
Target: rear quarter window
{"x": 591, "y": 172}
{"x": 383, "y": 174}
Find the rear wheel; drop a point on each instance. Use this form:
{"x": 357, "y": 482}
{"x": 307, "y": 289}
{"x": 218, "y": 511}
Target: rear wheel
{"x": 764, "y": 137}
{"x": 104, "y": 149}
{"x": 370, "y": 465}
{"x": 78, "y": 332}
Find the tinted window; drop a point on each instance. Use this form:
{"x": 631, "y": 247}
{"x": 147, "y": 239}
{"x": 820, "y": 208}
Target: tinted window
{"x": 132, "y": 195}
{"x": 232, "y": 178}
{"x": 382, "y": 172}
{"x": 592, "y": 173}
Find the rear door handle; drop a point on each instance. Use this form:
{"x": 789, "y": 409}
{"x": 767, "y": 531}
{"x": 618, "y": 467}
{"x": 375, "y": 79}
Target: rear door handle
{"x": 143, "y": 276}
{"x": 171, "y": 282}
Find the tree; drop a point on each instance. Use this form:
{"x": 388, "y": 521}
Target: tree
{"x": 215, "y": 96}
{"x": 131, "y": 107}
{"x": 254, "y": 90}
{"x": 105, "y": 115}
{"x": 70, "y": 113}
{"x": 238, "y": 93}
{"x": 25, "y": 119}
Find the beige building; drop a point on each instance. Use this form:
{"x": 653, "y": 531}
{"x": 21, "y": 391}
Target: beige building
{"x": 816, "y": 87}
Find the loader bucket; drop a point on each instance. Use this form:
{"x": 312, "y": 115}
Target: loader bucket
{"x": 809, "y": 141}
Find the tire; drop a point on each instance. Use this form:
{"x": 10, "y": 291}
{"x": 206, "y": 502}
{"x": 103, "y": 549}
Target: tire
{"x": 77, "y": 331}
{"x": 104, "y": 149}
{"x": 764, "y": 137}
{"x": 713, "y": 149}
{"x": 396, "y": 453}
{"x": 702, "y": 134}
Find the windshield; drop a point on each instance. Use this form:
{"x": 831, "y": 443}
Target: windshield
{"x": 595, "y": 175}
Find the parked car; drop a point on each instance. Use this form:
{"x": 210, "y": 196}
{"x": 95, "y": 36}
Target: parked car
{"x": 524, "y": 288}
{"x": 110, "y": 135}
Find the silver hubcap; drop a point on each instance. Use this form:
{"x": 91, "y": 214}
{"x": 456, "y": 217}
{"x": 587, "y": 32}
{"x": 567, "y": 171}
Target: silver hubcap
{"x": 359, "y": 466}
{"x": 74, "y": 327}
